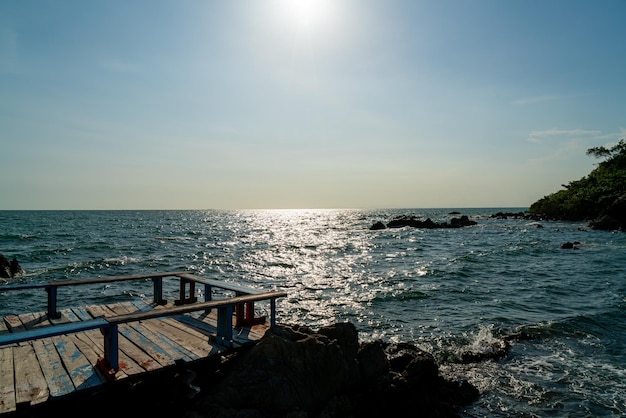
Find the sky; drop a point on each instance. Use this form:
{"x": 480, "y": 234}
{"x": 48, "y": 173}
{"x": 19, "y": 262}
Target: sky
{"x": 252, "y": 104}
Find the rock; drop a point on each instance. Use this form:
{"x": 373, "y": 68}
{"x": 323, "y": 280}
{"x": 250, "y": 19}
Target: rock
{"x": 373, "y": 361}
{"x": 412, "y": 221}
{"x": 570, "y": 245}
{"x": 462, "y": 221}
{"x": 613, "y": 218}
{"x": 291, "y": 369}
{"x": 297, "y": 372}
{"x": 9, "y": 269}
{"x": 377, "y": 226}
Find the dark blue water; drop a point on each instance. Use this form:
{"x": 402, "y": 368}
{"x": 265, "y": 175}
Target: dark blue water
{"x": 451, "y": 291}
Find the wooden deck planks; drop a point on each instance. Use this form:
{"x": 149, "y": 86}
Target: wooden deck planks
{"x": 57, "y": 378}
{"x": 34, "y": 371}
{"x": 30, "y": 384}
{"x": 81, "y": 371}
{"x": 7, "y": 382}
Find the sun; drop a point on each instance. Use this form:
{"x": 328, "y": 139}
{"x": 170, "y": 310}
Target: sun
{"x": 307, "y": 15}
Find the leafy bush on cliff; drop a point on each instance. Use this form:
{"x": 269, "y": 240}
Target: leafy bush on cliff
{"x": 588, "y": 197}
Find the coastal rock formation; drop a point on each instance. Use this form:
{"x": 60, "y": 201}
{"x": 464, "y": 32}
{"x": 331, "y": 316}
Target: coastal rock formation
{"x": 413, "y": 221}
{"x": 9, "y": 269}
{"x": 292, "y": 371}
{"x": 295, "y": 370}
{"x": 613, "y": 217}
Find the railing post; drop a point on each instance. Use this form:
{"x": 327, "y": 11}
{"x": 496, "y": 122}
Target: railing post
{"x": 225, "y": 325}
{"x": 158, "y": 290}
{"x": 183, "y": 292}
{"x": 52, "y": 302}
{"x": 272, "y": 312}
{"x": 208, "y": 296}
{"x": 110, "y": 364}
{"x": 239, "y": 311}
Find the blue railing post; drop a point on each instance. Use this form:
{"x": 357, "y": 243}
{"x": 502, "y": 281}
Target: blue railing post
{"x": 158, "y": 290}
{"x": 111, "y": 348}
{"x": 208, "y": 296}
{"x": 225, "y": 325}
{"x": 272, "y": 312}
{"x": 52, "y": 302}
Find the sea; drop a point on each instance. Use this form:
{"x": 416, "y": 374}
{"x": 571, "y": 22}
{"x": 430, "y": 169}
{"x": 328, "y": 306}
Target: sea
{"x": 450, "y": 291}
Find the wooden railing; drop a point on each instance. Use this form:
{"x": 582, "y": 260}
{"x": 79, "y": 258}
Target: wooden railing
{"x": 241, "y": 306}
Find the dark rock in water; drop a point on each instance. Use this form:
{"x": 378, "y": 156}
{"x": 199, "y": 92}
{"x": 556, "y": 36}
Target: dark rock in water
{"x": 495, "y": 351}
{"x": 9, "y": 269}
{"x": 378, "y": 225}
{"x": 570, "y": 245}
{"x": 412, "y": 221}
{"x": 462, "y": 221}
{"x": 294, "y": 371}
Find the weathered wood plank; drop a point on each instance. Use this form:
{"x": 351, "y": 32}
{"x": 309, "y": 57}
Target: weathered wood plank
{"x": 150, "y": 330}
{"x": 156, "y": 354}
{"x": 30, "y": 384}
{"x": 179, "y": 342}
{"x": 3, "y": 326}
{"x": 198, "y": 346}
{"x": 80, "y": 313}
{"x": 7, "y": 383}
{"x": 59, "y": 381}
{"x": 34, "y": 320}
{"x": 13, "y": 323}
{"x": 139, "y": 356}
{"x": 199, "y": 342}
{"x": 82, "y": 373}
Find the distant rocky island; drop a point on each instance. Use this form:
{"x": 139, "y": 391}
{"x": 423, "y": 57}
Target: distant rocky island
{"x": 599, "y": 197}
{"x": 415, "y": 222}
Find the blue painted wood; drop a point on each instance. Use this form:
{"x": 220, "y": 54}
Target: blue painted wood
{"x": 157, "y": 284}
{"x": 225, "y": 325}
{"x": 156, "y": 352}
{"x": 111, "y": 347}
{"x": 175, "y": 351}
{"x": 52, "y": 302}
{"x": 59, "y": 381}
{"x": 50, "y": 331}
{"x": 83, "y": 374}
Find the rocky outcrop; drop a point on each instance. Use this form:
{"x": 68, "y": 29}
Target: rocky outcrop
{"x": 613, "y": 218}
{"x": 9, "y": 269}
{"x": 292, "y": 371}
{"x": 296, "y": 371}
{"x": 415, "y": 222}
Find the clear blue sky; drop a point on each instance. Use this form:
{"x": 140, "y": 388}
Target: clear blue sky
{"x": 304, "y": 103}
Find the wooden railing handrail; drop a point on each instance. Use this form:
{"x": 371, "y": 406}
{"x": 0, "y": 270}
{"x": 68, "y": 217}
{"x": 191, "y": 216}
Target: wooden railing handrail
{"x": 91, "y": 280}
{"x": 109, "y": 364}
{"x": 200, "y": 306}
{"x": 186, "y": 279}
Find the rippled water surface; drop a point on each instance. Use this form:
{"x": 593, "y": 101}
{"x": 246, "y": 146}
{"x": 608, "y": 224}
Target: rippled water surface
{"x": 451, "y": 291}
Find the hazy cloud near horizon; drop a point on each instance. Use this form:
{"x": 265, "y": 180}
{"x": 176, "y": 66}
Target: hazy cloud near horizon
{"x": 304, "y": 103}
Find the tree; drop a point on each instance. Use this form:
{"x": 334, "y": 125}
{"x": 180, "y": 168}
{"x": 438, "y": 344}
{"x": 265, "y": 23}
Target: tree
{"x": 589, "y": 196}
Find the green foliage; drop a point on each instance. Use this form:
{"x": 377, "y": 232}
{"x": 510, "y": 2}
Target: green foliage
{"x": 586, "y": 198}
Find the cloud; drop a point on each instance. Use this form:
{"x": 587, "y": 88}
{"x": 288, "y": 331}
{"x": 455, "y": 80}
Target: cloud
{"x": 538, "y": 136}
{"x": 546, "y": 98}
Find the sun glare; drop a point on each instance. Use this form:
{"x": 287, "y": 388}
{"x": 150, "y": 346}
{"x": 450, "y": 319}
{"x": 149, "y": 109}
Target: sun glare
{"x": 307, "y": 12}
{"x": 307, "y": 15}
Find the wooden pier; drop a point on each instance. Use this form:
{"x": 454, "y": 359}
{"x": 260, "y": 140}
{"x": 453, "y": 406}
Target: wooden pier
{"x": 56, "y": 353}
